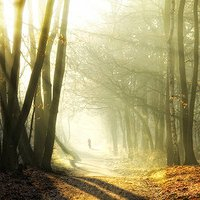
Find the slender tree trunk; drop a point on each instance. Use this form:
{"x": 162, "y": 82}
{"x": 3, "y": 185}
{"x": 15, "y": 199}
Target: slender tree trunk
{"x": 113, "y": 130}
{"x": 46, "y": 86}
{"x": 9, "y": 152}
{"x": 128, "y": 133}
{"x": 11, "y": 156}
{"x": 66, "y": 150}
{"x": 3, "y": 84}
{"x": 39, "y": 136}
{"x": 147, "y": 131}
{"x": 190, "y": 153}
{"x": 187, "y": 132}
{"x": 40, "y": 133}
{"x": 122, "y": 125}
{"x": 57, "y": 84}
{"x": 135, "y": 134}
{"x": 176, "y": 158}
{"x": 24, "y": 146}
{"x": 156, "y": 122}
{"x": 169, "y": 143}
{"x": 161, "y": 129}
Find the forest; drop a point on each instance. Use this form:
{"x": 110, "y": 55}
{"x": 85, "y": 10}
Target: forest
{"x": 99, "y": 99}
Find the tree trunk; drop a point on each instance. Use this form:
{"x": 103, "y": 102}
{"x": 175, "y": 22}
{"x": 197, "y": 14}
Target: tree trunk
{"x": 46, "y": 86}
{"x": 169, "y": 143}
{"x": 9, "y": 154}
{"x": 123, "y": 129}
{"x": 170, "y": 70}
{"x": 66, "y": 150}
{"x": 161, "y": 129}
{"x": 190, "y": 153}
{"x": 128, "y": 133}
{"x": 147, "y": 131}
{"x": 3, "y": 84}
{"x": 40, "y": 131}
{"x": 187, "y": 132}
{"x": 113, "y": 129}
{"x": 11, "y": 158}
{"x": 135, "y": 134}
{"x": 57, "y": 84}
{"x": 39, "y": 134}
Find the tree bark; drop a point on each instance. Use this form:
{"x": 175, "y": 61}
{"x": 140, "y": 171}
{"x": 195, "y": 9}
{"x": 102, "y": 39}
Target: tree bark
{"x": 46, "y": 86}
{"x": 187, "y": 132}
{"x": 57, "y": 84}
{"x": 146, "y": 128}
{"x": 39, "y": 133}
{"x": 9, "y": 154}
{"x": 170, "y": 71}
{"x": 113, "y": 130}
{"x": 192, "y": 159}
{"x": 10, "y": 151}
{"x": 129, "y": 138}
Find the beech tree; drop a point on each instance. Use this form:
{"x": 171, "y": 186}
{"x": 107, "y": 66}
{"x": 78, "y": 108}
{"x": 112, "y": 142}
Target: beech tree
{"x": 57, "y": 84}
{"x": 11, "y": 136}
{"x": 172, "y": 143}
{"x": 187, "y": 106}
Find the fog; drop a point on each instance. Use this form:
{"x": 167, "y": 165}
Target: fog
{"x": 119, "y": 75}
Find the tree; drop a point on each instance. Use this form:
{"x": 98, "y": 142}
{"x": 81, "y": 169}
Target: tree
{"x": 172, "y": 135}
{"x": 9, "y": 155}
{"x": 12, "y": 107}
{"x": 187, "y": 106}
{"x": 57, "y": 84}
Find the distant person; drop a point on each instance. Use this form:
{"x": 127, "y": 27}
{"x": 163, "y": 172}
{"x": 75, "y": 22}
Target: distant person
{"x": 89, "y": 143}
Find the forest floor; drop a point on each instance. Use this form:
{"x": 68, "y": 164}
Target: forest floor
{"x": 167, "y": 183}
{"x": 100, "y": 178}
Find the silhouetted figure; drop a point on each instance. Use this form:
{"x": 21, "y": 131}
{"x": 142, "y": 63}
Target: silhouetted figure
{"x": 89, "y": 143}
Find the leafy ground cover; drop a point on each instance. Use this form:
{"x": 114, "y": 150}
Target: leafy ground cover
{"x": 181, "y": 182}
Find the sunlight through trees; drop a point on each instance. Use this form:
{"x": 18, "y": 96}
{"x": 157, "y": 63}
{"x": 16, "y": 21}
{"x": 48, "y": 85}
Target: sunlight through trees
{"x": 121, "y": 74}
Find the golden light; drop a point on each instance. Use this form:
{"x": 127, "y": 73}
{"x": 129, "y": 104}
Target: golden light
{"x": 8, "y": 9}
{"x": 9, "y": 15}
{"x": 83, "y": 14}
{"x": 86, "y": 13}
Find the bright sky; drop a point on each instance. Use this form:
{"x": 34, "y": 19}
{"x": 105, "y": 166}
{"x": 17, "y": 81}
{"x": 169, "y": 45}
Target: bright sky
{"x": 83, "y": 13}
{"x": 87, "y": 12}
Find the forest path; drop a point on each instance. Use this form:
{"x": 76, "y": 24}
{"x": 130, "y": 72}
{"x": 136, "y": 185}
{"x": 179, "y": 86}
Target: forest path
{"x": 95, "y": 163}
{"x": 99, "y": 175}
{"x": 181, "y": 182}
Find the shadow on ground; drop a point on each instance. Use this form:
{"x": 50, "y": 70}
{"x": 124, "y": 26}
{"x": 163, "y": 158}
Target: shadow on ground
{"x": 30, "y": 185}
{"x": 45, "y": 186}
{"x": 100, "y": 189}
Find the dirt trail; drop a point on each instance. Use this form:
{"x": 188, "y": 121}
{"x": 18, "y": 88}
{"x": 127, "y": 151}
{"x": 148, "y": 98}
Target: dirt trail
{"x": 95, "y": 163}
{"x": 182, "y": 182}
{"x": 101, "y": 176}
{"x": 163, "y": 184}
{"x": 97, "y": 178}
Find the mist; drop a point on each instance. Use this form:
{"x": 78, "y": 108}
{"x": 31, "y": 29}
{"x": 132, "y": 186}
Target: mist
{"x": 106, "y": 88}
